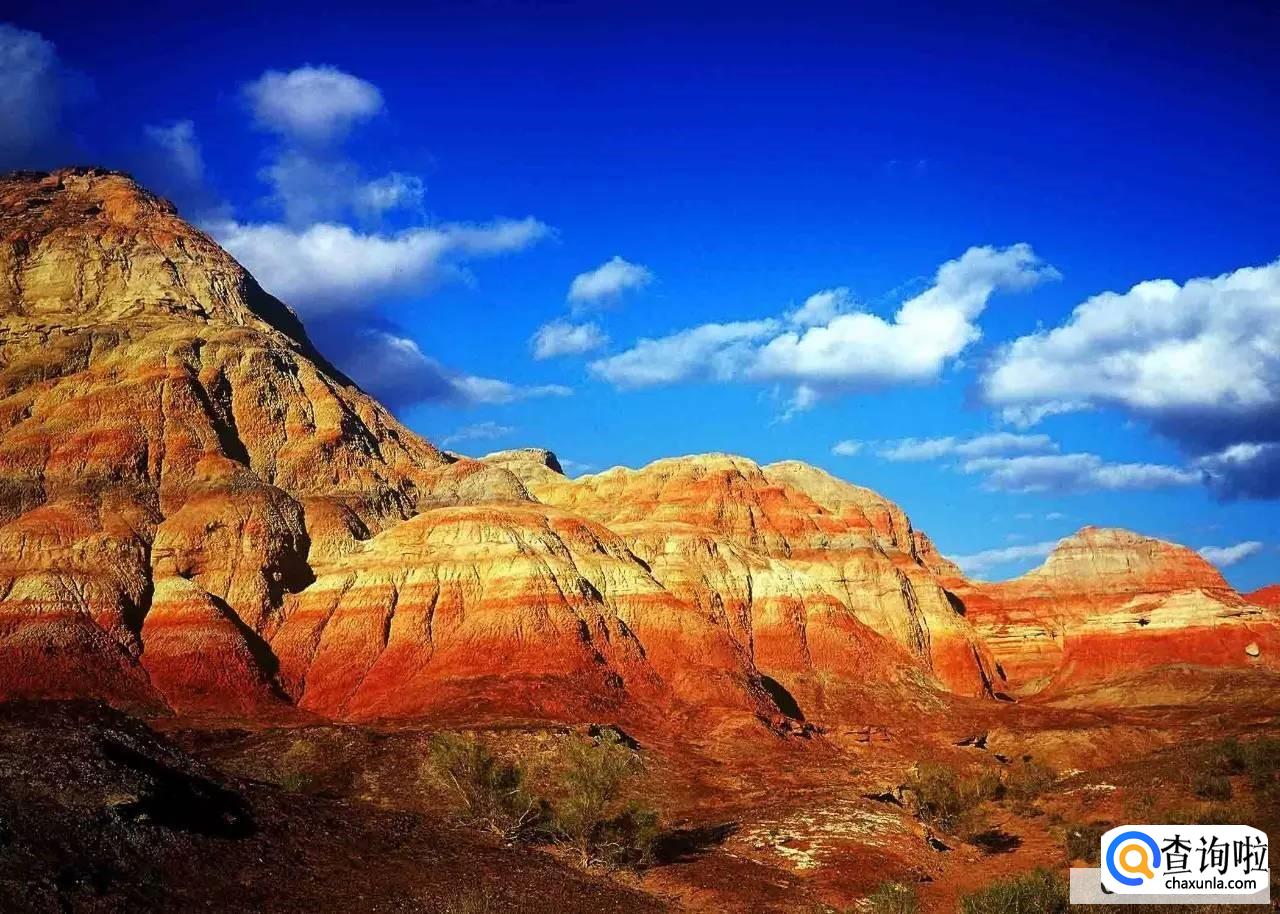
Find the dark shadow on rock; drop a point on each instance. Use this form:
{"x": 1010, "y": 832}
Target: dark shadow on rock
{"x": 785, "y": 701}
{"x": 680, "y": 845}
{"x": 178, "y": 800}
{"x": 996, "y": 841}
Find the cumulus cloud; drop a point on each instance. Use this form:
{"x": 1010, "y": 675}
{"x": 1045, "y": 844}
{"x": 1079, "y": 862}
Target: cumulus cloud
{"x": 478, "y": 431}
{"x": 33, "y": 91}
{"x": 565, "y": 338}
{"x": 850, "y": 351}
{"x": 311, "y": 104}
{"x": 980, "y": 563}
{"x": 918, "y": 449}
{"x": 863, "y": 350}
{"x": 178, "y": 143}
{"x": 1225, "y": 556}
{"x": 822, "y": 307}
{"x": 1199, "y": 361}
{"x": 392, "y": 191}
{"x": 847, "y": 448}
{"x": 330, "y": 267}
{"x": 608, "y": 281}
{"x": 716, "y": 351}
{"x": 396, "y": 370}
{"x": 1072, "y": 473}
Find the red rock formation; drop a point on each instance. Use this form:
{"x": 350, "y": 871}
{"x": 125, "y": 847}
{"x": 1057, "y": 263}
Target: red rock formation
{"x": 202, "y": 515}
{"x": 1268, "y": 596}
{"x": 198, "y": 514}
{"x": 1110, "y": 602}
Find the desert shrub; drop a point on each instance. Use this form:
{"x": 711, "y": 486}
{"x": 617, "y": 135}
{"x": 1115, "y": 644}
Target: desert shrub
{"x": 490, "y": 790}
{"x": 1036, "y": 892}
{"x": 1230, "y": 757}
{"x": 1084, "y": 841}
{"x": 1262, "y": 761}
{"x": 484, "y": 900}
{"x": 1210, "y": 786}
{"x": 295, "y": 767}
{"x": 893, "y": 898}
{"x": 948, "y": 800}
{"x": 590, "y": 810}
{"x": 1027, "y": 781}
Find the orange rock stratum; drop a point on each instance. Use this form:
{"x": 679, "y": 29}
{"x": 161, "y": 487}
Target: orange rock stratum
{"x": 200, "y": 515}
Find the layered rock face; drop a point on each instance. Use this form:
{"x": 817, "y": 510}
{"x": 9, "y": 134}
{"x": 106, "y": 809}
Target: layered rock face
{"x": 821, "y": 583}
{"x": 1110, "y": 602}
{"x": 199, "y": 514}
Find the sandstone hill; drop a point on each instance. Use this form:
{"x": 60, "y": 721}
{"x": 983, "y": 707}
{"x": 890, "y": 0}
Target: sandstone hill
{"x": 199, "y": 515}
{"x": 1110, "y": 602}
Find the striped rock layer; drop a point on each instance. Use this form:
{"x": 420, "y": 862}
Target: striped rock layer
{"x": 1108, "y": 603}
{"x": 199, "y": 515}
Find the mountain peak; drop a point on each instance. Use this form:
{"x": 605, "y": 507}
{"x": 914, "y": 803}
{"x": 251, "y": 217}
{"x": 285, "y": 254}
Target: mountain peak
{"x": 87, "y": 246}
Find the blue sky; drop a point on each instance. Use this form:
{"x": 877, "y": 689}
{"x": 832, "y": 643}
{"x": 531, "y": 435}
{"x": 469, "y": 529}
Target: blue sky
{"x": 424, "y": 187}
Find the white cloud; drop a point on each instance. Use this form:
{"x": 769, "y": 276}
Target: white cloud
{"x": 851, "y": 350}
{"x": 329, "y": 267}
{"x": 574, "y": 467}
{"x": 392, "y": 191}
{"x": 979, "y": 563}
{"x": 717, "y": 351}
{"x": 1054, "y": 515}
{"x": 916, "y": 449}
{"x": 847, "y": 448}
{"x": 1199, "y": 361}
{"x": 1069, "y": 473}
{"x": 564, "y": 338}
{"x": 1224, "y": 556}
{"x": 178, "y": 143}
{"x": 479, "y": 431}
{"x": 396, "y": 370}
{"x": 475, "y": 389}
{"x": 862, "y": 350}
{"x": 608, "y": 281}
{"x": 32, "y": 92}
{"x": 1211, "y": 343}
{"x": 822, "y": 307}
{"x": 312, "y": 104}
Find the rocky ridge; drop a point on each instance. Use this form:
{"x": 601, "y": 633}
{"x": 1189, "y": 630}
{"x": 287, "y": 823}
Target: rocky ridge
{"x": 199, "y": 515}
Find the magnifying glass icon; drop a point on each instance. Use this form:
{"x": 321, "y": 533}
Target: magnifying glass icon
{"x": 1142, "y": 867}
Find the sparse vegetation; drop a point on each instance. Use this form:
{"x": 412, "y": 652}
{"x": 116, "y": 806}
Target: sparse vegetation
{"x": 949, "y": 800}
{"x": 1026, "y": 781}
{"x": 1037, "y": 892}
{"x": 580, "y": 799}
{"x": 1084, "y": 841}
{"x": 893, "y": 898}
{"x": 491, "y": 791}
{"x": 1209, "y": 786}
{"x": 591, "y": 812}
{"x": 295, "y": 766}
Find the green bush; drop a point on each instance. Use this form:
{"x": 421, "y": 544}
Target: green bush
{"x": 948, "y": 800}
{"x": 296, "y": 766}
{"x": 591, "y": 812}
{"x": 1036, "y": 892}
{"x": 491, "y": 791}
{"x": 1084, "y": 841}
{"x": 1209, "y": 786}
{"x": 1027, "y": 780}
{"x": 893, "y": 898}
